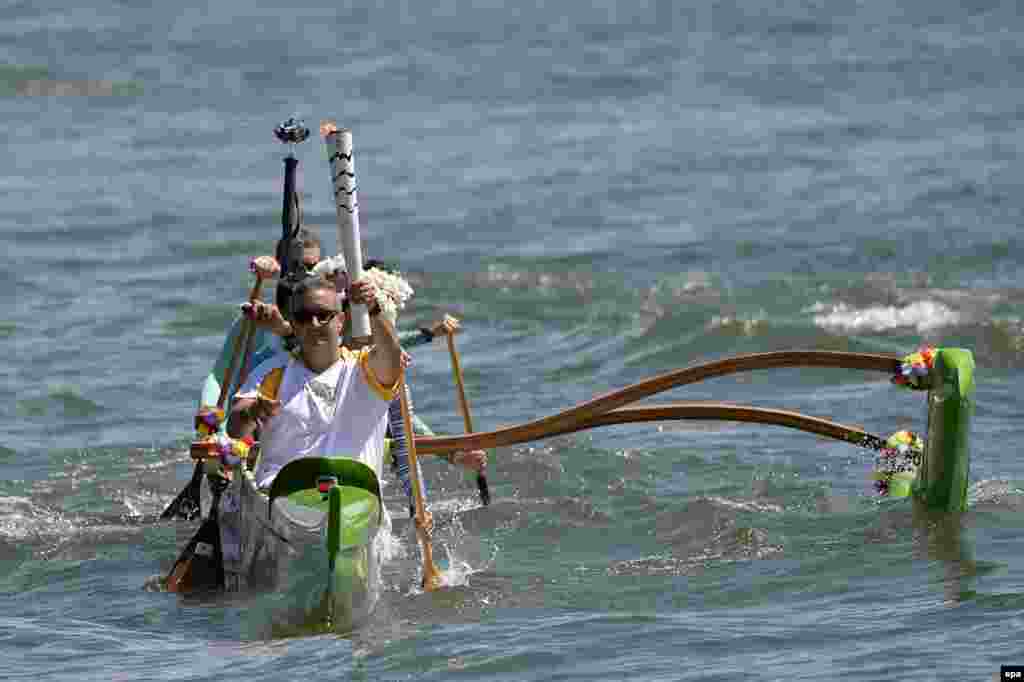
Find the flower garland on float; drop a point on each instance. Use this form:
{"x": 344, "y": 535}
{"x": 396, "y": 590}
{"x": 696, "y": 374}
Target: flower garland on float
{"x": 896, "y": 464}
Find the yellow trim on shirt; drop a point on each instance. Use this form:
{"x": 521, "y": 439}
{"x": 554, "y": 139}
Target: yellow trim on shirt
{"x": 384, "y": 393}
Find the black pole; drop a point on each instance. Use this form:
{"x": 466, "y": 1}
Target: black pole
{"x": 289, "y": 250}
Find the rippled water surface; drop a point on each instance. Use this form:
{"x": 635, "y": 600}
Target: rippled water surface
{"x": 601, "y": 194}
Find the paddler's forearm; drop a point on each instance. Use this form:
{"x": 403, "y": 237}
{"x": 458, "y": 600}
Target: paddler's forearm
{"x": 386, "y": 355}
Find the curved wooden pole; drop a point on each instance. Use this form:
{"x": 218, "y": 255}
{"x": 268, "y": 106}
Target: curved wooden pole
{"x": 566, "y": 421}
{"x": 481, "y": 478}
{"x": 709, "y": 411}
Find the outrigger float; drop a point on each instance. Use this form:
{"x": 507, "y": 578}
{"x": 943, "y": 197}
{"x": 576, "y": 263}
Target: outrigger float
{"x": 312, "y": 539}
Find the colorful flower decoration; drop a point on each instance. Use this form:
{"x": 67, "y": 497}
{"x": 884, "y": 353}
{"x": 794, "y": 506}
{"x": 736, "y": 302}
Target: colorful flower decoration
{"x": 208, "y": 420}
{"x": 230, "y": 451}
{"x": 212, "y": 442}
{"x": 896, "y": 464}
{"x": 915, "y": 370}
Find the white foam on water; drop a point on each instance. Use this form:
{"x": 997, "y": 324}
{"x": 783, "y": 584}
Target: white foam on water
{"x": 921, "y": 316}
{"x": 458, "y": 571}
{"x": 21, "y": 520}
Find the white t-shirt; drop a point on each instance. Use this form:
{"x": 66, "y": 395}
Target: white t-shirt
{"x": 341, "y": 412}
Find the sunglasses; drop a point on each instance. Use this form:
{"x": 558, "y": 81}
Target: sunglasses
{"x": 321, "y": 315}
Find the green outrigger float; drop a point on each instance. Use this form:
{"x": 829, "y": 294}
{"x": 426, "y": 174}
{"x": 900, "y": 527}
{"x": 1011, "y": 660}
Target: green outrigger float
{"x": 942, "y": 479}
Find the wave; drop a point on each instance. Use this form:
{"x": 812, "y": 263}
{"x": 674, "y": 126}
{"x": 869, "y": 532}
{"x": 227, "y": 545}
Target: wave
{"x": 200, "y": 320}
{"x": 21, "y": 520}
{"x": 921, "y": 316}
{"x": 979, "y": 319}
{"x": 65, "y": 399}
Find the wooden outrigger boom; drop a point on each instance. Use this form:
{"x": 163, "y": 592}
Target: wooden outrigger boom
{"x": 940, "y": 481}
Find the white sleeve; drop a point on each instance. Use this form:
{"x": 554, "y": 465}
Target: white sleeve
{"x": 257, "y": 375}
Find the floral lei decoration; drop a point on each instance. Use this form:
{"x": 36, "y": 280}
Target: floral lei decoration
{"x": 896, "y": 464}
{"x": 915, "y": 369}
{"x": 231, "y": 451}
{"x": 392, "y": 291}
{"x": 330, "y": 266}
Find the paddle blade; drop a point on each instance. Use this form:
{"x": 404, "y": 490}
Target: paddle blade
{"x": 186, "y": 504}
{"x": 432, "y": 579}
{"x": 201, "y": 564}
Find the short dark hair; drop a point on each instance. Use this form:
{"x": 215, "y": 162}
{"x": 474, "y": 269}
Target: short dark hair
{"x": 309, "y": 237}
{"x": 306, "y": 285}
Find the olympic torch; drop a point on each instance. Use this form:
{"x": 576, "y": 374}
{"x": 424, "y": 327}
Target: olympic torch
{"x": 343, "y": 178}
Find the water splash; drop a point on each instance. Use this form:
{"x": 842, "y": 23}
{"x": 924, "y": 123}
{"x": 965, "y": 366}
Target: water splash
{"x": 458, "y": 571}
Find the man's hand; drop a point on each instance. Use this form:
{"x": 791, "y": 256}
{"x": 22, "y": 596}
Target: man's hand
{"x": 267, "y": 316}
{"x": 265, "y": 267}
{"x": 363, "y": 292}
{"x": 247, "y": 413}
{"x": 474, "y": 460}
{"x": 385, "y": 357}
{"x": 264, "y": 408}
{"x": 446, "y": 325}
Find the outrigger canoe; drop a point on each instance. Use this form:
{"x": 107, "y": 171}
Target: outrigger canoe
{"x": 311, "y": 542}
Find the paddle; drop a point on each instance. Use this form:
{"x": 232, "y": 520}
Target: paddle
{"x": 565, "y": 421}
{"x": 431, "y": 576}
{"x": 201, "y": 563}
{"x": 186, "y": 504}
{"x": 481, "y": 478}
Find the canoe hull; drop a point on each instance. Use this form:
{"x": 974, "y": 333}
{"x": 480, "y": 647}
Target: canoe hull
{"x": 284, "y": 552}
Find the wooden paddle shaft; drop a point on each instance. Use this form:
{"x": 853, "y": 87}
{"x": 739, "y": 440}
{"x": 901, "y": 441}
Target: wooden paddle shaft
{"x": 431, "y": 576}
{"x": 241, "y": 341}
{"x": 410, "y": 441}
{"x": 481, "y": 479}
{"x": 457, "y": 370}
